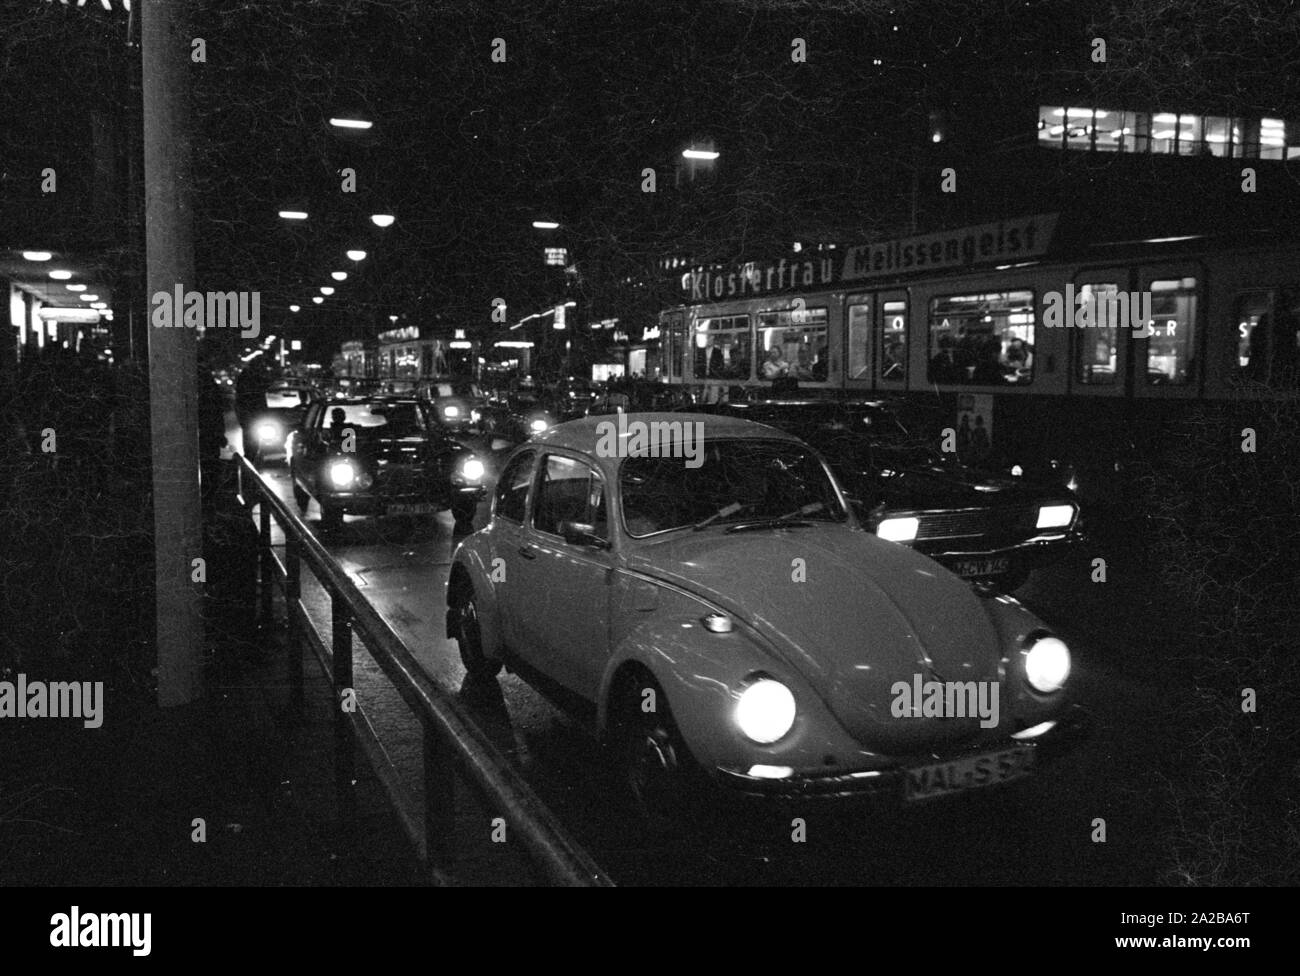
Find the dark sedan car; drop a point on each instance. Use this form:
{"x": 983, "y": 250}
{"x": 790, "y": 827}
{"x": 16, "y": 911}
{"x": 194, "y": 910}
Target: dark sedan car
{"x": 456, "y": 403}
{"x": 383, "y": 456}
{"x": 268, "y": 427}
{"x": 517, "y": 415}
{"x": 979, "y": 524}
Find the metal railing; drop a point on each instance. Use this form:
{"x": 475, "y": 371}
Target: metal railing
{"x": 452, "y": 740}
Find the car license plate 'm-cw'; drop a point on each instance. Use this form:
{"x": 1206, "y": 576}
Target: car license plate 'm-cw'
{"x": 968, "y": 773}
{"x": 983, "y": 567}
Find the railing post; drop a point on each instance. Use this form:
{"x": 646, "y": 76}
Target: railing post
{"x": 344, "y": 759}
{"x": 439, "y": 799}
{"x": 266, "y": 568}
{"x": 292, "y": 597}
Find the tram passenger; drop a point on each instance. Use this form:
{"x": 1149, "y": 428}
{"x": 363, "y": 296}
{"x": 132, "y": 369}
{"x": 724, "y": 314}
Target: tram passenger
{"x": 776, "y": 365}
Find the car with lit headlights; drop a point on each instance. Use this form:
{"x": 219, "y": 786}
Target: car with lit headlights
{"x": 456, "y": 403}
{"x": 383, "y": 456}
{"x": 710, "y": 606}
{"x": 980, "y": 523}
{"x": 268, "y": 428}
{"x": 517, "y": 414}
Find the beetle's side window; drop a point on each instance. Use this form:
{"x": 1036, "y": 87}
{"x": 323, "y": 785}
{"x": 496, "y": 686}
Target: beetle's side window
{"x": 570, "y": 491}
{"x": 512, "y": 489}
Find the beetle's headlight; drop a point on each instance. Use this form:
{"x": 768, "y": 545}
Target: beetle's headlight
{"x": 765, "y": 711}
{"x": 268, "y": 431}
{"x": 342, "y": 473}
{"x": 475, "y": 416}
{"x": 537, "y": 426}
{"x": 1055, "y": 516}
{"x": 898, "y": 529}
{"x": 1047, "y": 664}
{"x": 472, "y": 470}
{"x": 451, "y": 410}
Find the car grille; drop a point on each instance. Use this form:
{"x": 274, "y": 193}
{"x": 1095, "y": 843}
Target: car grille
{"x": 394, "y": 479}
{"x": 1013, "y": 521}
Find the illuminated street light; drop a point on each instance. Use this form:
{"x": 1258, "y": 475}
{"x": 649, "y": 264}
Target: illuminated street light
{"x": 357, "y": 255}
{"x": 339, "y": 275}
{"x": 700, "y": 154}
{"x": 294, "y": 214}
{"x": 37, "y": 255}
{"x": 317, "y": 299}
{"x": 545, "y": 225}
{"x": 326, "y": 290}
{"x": 350, "y": 123}
{"x": 89, "y": 298}
{"x": 294, "y": 308}
{"x": 60, "y": 275}
{"x": 382, "y": 220}
{"x": 75, "y": 287}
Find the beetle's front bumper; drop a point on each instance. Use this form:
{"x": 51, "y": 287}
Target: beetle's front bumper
{"x": 887, "y": 784}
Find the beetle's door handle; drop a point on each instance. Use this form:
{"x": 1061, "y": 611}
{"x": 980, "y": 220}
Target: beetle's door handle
{"x": 527, "y": 552}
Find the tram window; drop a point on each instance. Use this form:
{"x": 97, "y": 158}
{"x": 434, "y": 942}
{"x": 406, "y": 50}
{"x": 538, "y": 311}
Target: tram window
{"x": 1268, "y": 336}
{"x": 1172, "y": 345}
{"x": 984, "y": 339}
{"x": 893, "y": 341}
{"x": 724, "y": 348}
{"x": 860, "y": 340}
{"x": 1097, "y": 347}
{"x": 794, "y": 344}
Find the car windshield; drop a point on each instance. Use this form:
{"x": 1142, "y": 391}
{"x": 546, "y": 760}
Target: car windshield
{"x": 736, "y": 481}
{"x": 285, "y": 398}
{"x": 395, "y": 419}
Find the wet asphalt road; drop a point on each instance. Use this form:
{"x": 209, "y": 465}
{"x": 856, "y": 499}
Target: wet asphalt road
{"x": 1038, "y": 831}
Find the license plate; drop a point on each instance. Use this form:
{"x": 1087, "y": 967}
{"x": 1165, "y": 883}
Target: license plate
{"x": 968, "y": 773}
{"x": 983, "y": 567}
{"x": 419, "y": 508}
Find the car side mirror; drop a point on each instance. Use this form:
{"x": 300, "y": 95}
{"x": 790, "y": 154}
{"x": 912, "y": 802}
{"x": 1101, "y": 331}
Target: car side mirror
{"x": 582, "y": 534}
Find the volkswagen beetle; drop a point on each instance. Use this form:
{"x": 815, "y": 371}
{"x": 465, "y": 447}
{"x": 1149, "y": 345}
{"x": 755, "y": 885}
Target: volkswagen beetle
{"x": 698, "y": 590}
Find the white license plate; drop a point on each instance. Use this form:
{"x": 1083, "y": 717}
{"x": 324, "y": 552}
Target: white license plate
{"x": 419, "y": 508}
{"x": 983, "y": 567}
{"x": 968, "y": 773}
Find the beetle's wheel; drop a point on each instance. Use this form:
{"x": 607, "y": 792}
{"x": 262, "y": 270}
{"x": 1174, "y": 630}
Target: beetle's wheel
{"x": 469, "y": 636}
{"x": 656, "y": 764}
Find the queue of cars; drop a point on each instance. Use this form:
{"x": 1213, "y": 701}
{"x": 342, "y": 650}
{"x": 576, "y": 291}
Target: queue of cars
{"x": 777, "y": 596}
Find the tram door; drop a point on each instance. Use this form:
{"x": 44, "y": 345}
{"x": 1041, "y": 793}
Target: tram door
{"x": 876, "y": 347}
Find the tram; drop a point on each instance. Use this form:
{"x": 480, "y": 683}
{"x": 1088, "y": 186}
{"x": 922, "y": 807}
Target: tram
{"x": 1055, "y": 346}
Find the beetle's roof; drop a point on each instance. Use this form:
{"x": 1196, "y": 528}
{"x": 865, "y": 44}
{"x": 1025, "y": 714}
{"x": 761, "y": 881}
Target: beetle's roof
{"x": 584, "y": 433}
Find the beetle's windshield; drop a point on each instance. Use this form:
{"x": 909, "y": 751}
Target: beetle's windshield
{"x": 735, "y": 480}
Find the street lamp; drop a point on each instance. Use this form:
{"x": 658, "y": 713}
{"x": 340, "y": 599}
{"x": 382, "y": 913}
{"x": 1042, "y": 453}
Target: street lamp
{"x": 339, "y": 275}
{"x": 344, "y": 123}
{"x": 357, "y": 255}
{"x": 60, "y": 275}
{"x": 294, "y": 214}
{"x": 294, "y": 308}
{"x": 37, "y": 255}
{"x": 545, "y": 225}
{"x": 693, "y": 153}
{"x": 326, "y": 290}
{"x": 382, "y": 220}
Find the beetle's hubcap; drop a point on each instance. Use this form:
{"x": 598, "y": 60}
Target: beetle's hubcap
{"x": 652, "y": 771}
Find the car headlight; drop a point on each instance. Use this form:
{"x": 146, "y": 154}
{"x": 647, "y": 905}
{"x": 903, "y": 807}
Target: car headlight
{"x": 1055, "y": 516}
{"x": 475, "y": 416}
{"x": 451, "y": 411}
{"x": 898, "y": 529}
{"x": 268, "y": 432}
{"x": 1047, "y": 664}
{"x": 472, "y": 470}
{"x": 342, "y": 473}
{"x": 765, "y": 711}
{"x": 537, "y": 426}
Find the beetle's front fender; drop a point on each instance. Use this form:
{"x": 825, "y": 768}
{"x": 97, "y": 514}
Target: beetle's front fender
{"x": 702, "y": 674}
{"x": 472, "y": 561}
